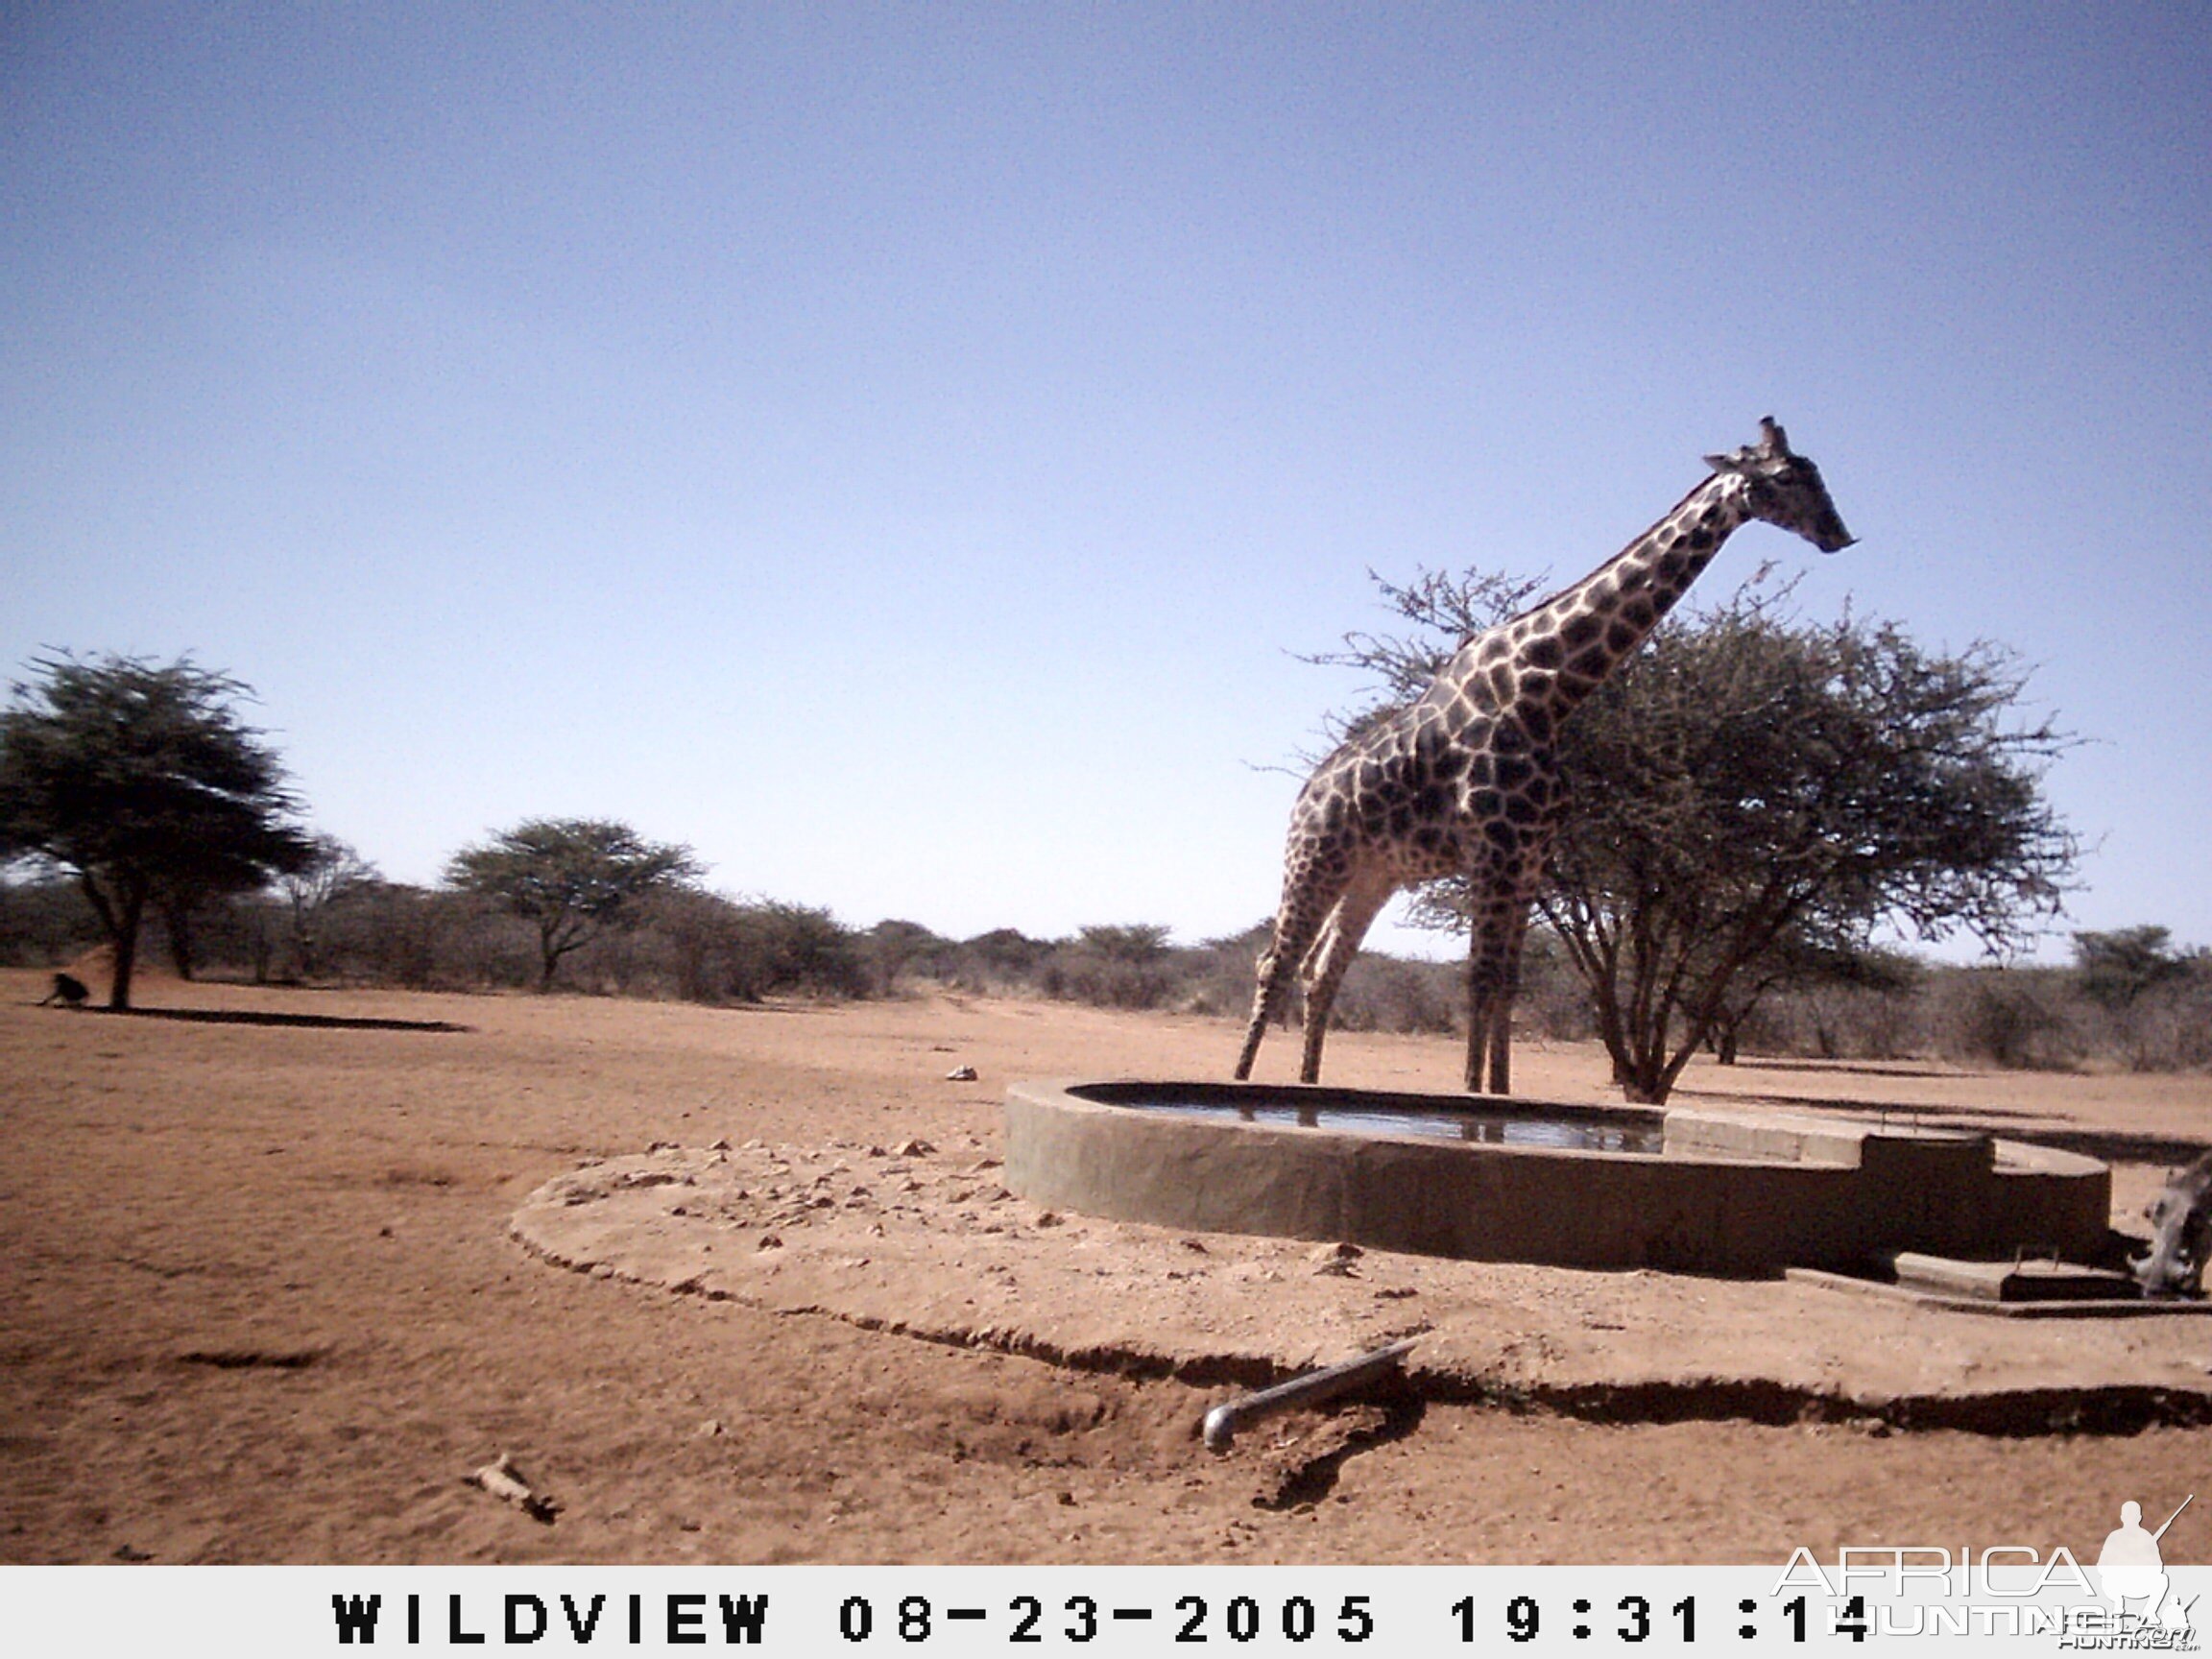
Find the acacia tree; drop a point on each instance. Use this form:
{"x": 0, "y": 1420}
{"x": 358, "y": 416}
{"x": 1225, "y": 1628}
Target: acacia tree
{"x": 140, "y": 779}
{"x": 1754, "y": 792}
{"x": 333, "y": 874}
{"x": 2115, "y": 969}
{"x": 571, "y": 877}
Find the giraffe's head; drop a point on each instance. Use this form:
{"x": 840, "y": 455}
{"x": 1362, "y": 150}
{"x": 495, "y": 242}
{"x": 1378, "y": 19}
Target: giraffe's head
{"x": 1785, "y": 490}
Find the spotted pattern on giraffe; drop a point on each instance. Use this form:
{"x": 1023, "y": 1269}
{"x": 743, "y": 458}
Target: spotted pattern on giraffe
{"x": 1464, "y": 781}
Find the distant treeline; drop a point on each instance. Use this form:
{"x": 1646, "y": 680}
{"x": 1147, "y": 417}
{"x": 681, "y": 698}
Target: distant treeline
{"x": 2128, "y": 1002}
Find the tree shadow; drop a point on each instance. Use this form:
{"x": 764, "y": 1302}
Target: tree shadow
{"x": 303, "y": 1022}
{"x": 1828, "y": 1103}
{"x": 1856, "y": 1068}
{"x": 2110, "y": 1146}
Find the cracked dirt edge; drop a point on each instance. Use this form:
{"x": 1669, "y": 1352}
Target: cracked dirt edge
{"x": 2107, "y": 1407}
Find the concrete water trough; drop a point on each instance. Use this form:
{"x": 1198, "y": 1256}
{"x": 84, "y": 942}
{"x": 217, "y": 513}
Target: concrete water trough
{"x": 1687, "y": 1189}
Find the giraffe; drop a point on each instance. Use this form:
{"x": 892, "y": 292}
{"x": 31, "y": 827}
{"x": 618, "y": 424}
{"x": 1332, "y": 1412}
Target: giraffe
{"x": 1465, "y": 780}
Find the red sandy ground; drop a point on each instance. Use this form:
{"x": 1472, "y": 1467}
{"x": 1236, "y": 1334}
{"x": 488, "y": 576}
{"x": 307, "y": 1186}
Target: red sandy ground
{"x": 261, "y": 1303}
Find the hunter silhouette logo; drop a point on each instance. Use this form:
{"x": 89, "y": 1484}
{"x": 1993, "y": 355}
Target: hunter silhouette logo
{"x": 2125, "y": 1602}
{"x": 2131, "y": 1568}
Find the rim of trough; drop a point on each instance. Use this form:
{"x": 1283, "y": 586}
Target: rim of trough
{"x": 1824, "y": 1138}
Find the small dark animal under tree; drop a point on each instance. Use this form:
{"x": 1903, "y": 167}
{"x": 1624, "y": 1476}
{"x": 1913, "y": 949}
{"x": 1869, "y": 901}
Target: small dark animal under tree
{"x": 69, "y": 990}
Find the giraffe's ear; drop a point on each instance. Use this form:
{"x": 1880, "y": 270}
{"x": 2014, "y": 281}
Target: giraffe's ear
{"x": 1773, "y": 446}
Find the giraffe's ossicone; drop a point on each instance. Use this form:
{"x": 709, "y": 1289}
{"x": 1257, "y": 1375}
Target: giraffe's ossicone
{"x": 1464, "y": 781}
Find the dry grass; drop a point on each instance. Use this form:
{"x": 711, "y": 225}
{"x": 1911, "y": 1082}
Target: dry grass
{"x": 260, "y": 1306}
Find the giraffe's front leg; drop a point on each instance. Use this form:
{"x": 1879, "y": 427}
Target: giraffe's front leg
{"x": 1501, "y": 1015}
{"x": 1481, "y": 1025}
{"x": 1501, "y": 1047}
{"x": 1494, "y": 937}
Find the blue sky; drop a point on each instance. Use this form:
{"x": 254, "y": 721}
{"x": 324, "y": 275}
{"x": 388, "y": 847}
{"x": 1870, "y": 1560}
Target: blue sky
{"x": 898, "y": 450}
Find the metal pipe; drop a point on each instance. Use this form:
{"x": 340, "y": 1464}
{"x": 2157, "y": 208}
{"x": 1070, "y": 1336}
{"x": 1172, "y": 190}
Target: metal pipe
{"x": 1223, "y": 1421}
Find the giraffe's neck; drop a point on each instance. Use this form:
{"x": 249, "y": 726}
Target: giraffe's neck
{"x": 1549, "y": 658}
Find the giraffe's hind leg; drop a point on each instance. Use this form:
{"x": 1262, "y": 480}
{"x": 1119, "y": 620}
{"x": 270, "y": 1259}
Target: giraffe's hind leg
{"x": 1325, "y": 967}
